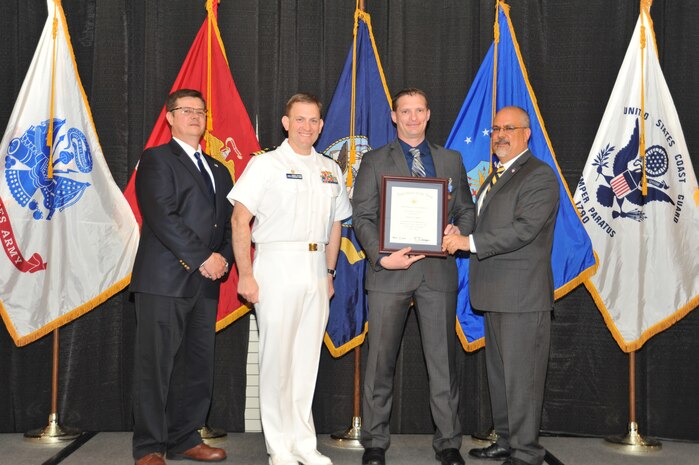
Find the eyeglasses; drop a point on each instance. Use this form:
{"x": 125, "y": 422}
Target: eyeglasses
{"x": 495, "y": 130}
{"x": 188, "y": 111}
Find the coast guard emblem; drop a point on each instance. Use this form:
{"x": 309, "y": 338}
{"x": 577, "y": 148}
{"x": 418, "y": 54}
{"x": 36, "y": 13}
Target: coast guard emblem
{"x": 620, "y": 188}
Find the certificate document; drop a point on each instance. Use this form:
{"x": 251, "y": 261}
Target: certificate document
{"x": 413, "y": 214}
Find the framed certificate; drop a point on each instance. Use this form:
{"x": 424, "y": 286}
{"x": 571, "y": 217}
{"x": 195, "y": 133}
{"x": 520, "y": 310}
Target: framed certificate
{"x": 413, "y": 214}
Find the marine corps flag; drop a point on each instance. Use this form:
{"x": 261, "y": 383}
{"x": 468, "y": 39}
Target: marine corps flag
{"x": 648, "y": 243}
{"x": 572, "y": 258}
{"x": 229, "y": 137}
{"x": 68, "y": 236}
{"x": 358, "y": 120}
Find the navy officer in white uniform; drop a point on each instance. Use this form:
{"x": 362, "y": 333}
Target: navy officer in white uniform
{"x": 298, "y": 200}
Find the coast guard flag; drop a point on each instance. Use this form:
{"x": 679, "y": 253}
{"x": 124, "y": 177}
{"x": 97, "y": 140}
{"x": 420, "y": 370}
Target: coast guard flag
{"x": 229, "y": 137}
{"x": 572, "y": 259}
{"x": 68, "y": 236}
{"x": 358, "y": 120}
{"x": 648, "y": 245}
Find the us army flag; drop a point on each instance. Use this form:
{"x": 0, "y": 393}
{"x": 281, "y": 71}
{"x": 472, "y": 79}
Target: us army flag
{"x": 648, "y": 246}
{"x": 68, "y": 235}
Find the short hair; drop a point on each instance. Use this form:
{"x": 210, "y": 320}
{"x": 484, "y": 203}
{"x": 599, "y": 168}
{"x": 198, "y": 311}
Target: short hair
{"x": 409, "y": 91}
{"x": 302, "y": 97}
{"x": 171, "y": 102}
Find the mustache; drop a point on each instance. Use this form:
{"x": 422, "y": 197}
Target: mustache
{"x": 501, "y": 140}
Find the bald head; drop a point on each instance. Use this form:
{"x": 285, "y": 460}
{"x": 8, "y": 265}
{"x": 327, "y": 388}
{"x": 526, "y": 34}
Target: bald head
{"x": 511, "y": 133}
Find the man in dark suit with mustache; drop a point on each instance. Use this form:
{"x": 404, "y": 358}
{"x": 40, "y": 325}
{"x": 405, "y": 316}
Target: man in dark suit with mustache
{"x": 511, "y": 281}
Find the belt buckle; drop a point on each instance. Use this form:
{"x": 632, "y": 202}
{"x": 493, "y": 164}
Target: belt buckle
{"x": 313, "y": 247}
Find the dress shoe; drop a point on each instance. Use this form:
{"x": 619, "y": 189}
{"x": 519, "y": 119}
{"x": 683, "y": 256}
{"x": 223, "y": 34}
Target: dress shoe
{"x": 493, "y": 451}
{"x": 200, "y": 453}
{"x": 450, "y": 456}
{"x": 154, "y": 458}
{"x": 312, "y": 457}
{"x": 374, "y": 456}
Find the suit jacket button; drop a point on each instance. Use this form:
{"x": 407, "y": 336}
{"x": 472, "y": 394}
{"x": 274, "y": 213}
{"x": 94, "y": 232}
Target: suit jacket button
{"x": 215, "y": 225}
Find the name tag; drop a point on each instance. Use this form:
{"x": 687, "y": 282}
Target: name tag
{"x": 294, "y": 176}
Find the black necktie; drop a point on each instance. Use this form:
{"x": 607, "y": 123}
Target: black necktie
{"x": 205, "y": 174}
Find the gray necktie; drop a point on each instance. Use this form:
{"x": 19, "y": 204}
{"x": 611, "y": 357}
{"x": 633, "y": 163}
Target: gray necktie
{"x": 418, "y": 167}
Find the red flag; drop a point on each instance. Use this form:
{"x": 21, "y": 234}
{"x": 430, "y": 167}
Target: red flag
{"x": 229, "y": 138}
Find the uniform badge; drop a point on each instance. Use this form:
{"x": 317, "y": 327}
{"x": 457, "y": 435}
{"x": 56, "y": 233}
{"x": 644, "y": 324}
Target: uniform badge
{"x": 294, "y": 175}
{"x": 327, "y": 177}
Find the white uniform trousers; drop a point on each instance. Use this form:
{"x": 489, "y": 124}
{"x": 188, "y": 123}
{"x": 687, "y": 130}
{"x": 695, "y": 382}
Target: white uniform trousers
{"x": 292, "y": 314}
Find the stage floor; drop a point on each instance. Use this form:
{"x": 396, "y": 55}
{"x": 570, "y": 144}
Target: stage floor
{"x": 249, "y": 449}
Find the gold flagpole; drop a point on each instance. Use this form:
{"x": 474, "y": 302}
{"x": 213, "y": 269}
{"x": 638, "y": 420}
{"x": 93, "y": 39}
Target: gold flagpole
{"x": 632, "y": 441}
{"x": 207, "y": 433}
{"x": 490, "y": 436}
{"x": 349, "y": 438}
{"x": 53, "y": 433}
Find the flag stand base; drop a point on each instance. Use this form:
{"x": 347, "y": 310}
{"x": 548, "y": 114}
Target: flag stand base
{"x": 209, "y": 435}
{"x": 633, "y": 442}
{"x": 349, "y": 438}
{"x": 53, "y": 433}
{"x": 489, "y": 436}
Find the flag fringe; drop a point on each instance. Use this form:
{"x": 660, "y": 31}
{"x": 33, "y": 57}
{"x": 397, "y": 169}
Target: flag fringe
{"x": 232, "y": 317}
{"x": 468, "y": 346}
{"x": 578, "y": 280}
{"x": 657, "y": 328}
{"x": 338, "y": 352}
{"x": 63, "y": 319}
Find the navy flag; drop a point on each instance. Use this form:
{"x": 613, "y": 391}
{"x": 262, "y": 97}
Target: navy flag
{"x": 358, "y": 120}
{"x": 573, "y": 259}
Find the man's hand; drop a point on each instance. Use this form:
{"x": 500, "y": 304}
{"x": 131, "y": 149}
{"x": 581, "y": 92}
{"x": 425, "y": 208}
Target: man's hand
{"x": 214, "y": 267}
{"x": 451, "y": 229}
{"x": 453, "y": 242}
{"x": 248, "y": 288}
{"x": 400, "y": 260}
{"x": 331, "y": 287}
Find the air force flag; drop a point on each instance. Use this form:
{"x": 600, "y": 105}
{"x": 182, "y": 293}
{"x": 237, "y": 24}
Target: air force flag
{"x": 572, "y": 257}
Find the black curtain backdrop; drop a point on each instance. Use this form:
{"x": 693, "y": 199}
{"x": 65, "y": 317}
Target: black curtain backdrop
{"x": 128, "y": 54}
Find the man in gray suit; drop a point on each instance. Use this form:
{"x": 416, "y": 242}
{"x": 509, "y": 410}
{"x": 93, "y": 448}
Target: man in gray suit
{"x": 392, "y": 280}
{"x": 510, "y": 279}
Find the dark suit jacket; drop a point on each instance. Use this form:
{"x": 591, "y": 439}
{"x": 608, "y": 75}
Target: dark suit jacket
{"x": 181, "y": 225}
{"x": 511, "y": 270}
{"x": 439, "y": 273}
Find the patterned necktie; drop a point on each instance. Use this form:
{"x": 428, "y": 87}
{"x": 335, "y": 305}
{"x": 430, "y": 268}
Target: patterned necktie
{"x": 205, "y": 174}
{"x": 418, "y": 167}
{"x": 494, "y": 179}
